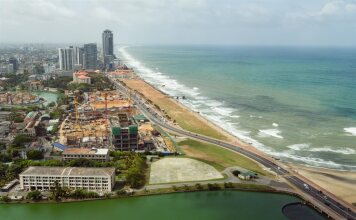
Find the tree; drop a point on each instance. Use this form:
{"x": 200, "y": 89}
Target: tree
{"x": 20, "y": 140}
{"x": 34, "y": 195}
{"x": 58, "y": 192}
{"x": 6, "y": 199}
{"x": 82, "y": 162}
{"x": 2, "y": 146}
{"x": 5, "y": 158}
{"x": 16, "y": 117}
{"x": 52, "y": 104}
{"x": 11, "y": 152}
{"x": 236, "y": 172}
{"x": 82, "y": 194}
{"x": 34, "y": 155}
{"x": 57, "y": 113}
{"x": 3, "y": 169}
{"x": 135, "y": 178}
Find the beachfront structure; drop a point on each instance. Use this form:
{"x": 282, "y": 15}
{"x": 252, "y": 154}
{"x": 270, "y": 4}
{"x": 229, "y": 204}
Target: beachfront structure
{"x": 101, "y": 154}
{"x": 124, "y": 133}
{"x": 81, "y": 77}
{"x": 90, "y": 56}
{"x": 43, "y": 178}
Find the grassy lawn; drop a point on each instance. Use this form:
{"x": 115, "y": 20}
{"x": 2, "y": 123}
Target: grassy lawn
{"x": 219, "y": 157}
{"x": 185, "y": 118}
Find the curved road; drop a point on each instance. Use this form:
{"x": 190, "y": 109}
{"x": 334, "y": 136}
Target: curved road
{"x": 334, "y": 206}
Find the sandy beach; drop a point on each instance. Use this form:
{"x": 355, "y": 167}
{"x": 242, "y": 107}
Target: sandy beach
{"x": 185, "y": 118}
{"x": 340, "y": 183}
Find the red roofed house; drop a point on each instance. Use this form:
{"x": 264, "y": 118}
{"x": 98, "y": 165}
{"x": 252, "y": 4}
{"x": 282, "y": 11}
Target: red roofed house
{"x": 81, "y": 76}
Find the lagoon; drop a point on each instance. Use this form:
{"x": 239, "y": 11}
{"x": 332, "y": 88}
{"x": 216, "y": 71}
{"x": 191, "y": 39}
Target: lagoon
{"x": 217, "y": 205}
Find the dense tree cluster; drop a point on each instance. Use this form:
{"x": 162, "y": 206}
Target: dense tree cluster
{"x": 136, "y": 176}
{"x": 34, "y": 195}
{"x": 60, "y": 82}
{"x": 14, "y": 80}
{"x": 20, "y": 141}
{"x": 34, "y": 155}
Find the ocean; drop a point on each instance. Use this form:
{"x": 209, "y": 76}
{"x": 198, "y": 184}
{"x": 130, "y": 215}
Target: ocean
{"x": 294, "y": 103}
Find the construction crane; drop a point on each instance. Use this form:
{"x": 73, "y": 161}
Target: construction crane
{"x": 77, "y": 125}
{"x": 129, "y": 109}
{"x": 106, "y": 104}
{"x": 107, "y": 133}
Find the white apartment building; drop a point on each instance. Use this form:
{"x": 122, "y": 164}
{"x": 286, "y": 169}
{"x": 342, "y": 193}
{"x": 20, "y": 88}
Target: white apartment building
{"x": 100, "y": 154}
{"x": 43, "y": 178}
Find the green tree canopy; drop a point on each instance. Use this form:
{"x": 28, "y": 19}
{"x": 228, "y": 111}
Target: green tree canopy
{"x": 34, "y": 155}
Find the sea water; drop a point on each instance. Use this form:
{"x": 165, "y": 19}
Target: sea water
{"x": 297, "y": 104}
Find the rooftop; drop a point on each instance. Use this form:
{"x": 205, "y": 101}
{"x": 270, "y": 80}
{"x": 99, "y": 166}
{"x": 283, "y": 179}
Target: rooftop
{"x": 95, "y": 151}
{"x": 69, "y": 171}
{"x": 81, "y": 72}
{"x": 60, "y": 146}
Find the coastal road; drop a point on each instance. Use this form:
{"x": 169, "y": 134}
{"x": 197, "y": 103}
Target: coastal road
{"x": 329, "y": 204}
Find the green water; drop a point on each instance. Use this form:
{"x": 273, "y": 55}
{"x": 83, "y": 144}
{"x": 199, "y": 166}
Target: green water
{"x": 48, "y": 96}
{"x": 199, "y": 205}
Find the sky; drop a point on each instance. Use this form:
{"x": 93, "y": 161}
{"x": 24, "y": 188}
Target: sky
{"x": 226, "y": 22}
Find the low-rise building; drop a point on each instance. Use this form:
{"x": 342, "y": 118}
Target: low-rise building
{"x": 100, "y": 154}
{"x": 43, "y": 178}
{"x": 81, "y": 77}
{"x": 247, "y": 175}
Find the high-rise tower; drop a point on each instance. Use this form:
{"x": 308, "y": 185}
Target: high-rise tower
{"x": 66, "y": 58}
{"x": 90, "y": 56}
{"x": 108, "y": 47}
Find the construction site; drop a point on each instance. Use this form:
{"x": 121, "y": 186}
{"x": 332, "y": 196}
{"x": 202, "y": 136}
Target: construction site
{"x": 18, "y": 98}
{"x": 108, "y": 100}
{"x": 107, "y": 119}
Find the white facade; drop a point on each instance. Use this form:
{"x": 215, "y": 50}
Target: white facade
{"x": 44, "y": 178}
{"x": 66, "y": 58}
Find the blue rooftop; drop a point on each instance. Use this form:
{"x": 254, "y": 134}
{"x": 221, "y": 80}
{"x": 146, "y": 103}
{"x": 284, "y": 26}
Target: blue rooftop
{"x": 60, "y": 146}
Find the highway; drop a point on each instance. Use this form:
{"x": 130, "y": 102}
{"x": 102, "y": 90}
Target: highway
{"x": 335, "y": 206}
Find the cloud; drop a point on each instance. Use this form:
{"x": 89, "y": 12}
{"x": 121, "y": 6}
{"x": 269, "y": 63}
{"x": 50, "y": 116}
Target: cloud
{"x": 106, "y": 15}
{"x": 178, "y": 21}
{"x": 41, "y": 10}
{"x": 330, "y": 11}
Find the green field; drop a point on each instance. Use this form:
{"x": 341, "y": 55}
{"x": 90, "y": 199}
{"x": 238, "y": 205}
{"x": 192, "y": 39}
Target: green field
{"x": 219, "y": 157}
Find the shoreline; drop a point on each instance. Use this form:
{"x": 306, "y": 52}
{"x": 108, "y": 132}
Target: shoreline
{"x": 231, "y": 138}
{"x": 244, "y": 135}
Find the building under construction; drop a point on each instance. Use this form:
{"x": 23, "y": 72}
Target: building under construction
{"x": 108, "y": 100}
{"x": 124, "y": 133}
{"x": 88, "y": 129}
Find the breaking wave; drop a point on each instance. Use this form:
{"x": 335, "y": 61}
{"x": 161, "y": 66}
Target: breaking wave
{"x": 218, "y": 113}
{"x": 270, "y": 133}
{"x": 351, "y": 130}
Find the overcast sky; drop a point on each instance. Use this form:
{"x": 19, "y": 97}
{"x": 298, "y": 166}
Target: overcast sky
{"x": 242, "y": 22}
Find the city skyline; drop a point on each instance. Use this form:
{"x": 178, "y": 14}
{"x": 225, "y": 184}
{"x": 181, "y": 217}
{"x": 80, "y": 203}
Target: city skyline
{"x": 318, "y": 23}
